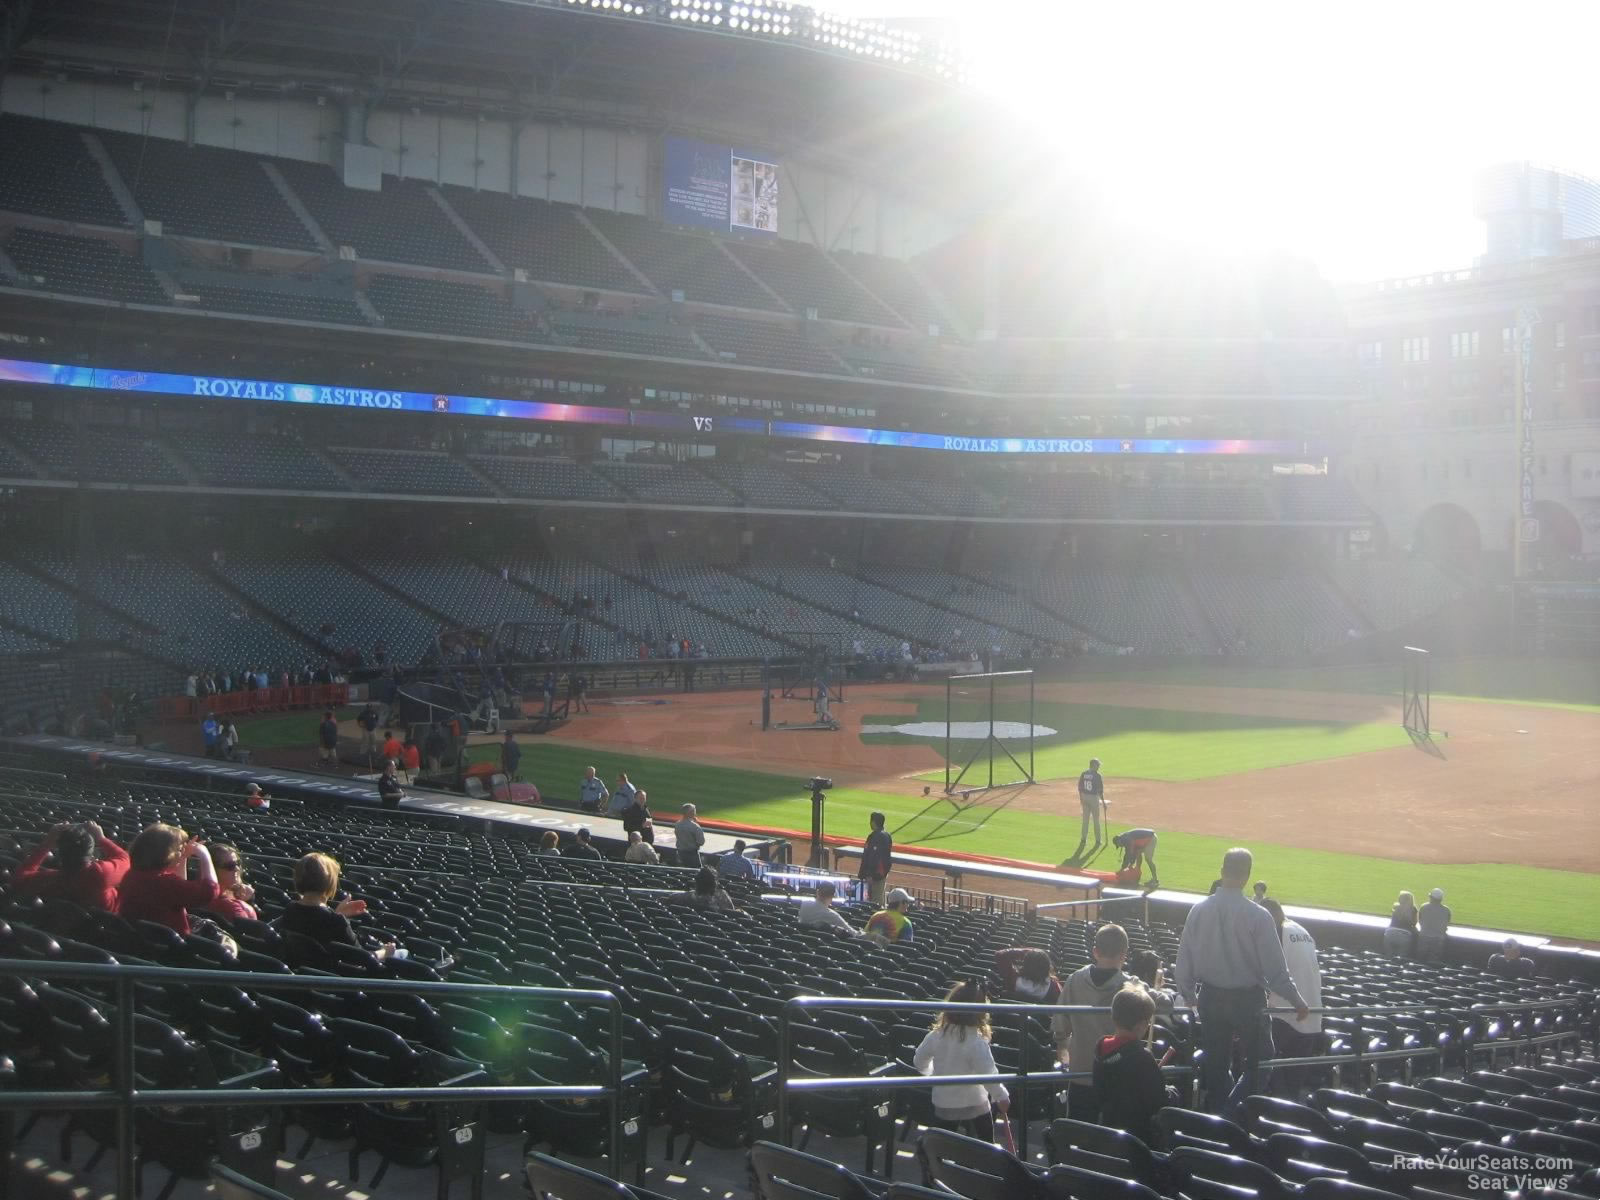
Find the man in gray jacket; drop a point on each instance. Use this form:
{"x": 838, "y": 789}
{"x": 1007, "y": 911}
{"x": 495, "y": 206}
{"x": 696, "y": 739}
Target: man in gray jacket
{"x": 1228, "y": 959}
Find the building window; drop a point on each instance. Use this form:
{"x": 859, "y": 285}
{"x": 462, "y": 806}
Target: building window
{"x": 1463, "y": 344}
{"x": 1561, "y": 335}
{"x": 1414, "y": 350}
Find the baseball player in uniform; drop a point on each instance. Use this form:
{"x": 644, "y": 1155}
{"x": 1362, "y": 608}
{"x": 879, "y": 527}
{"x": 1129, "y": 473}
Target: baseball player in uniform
{"x": 1091, "y": 798}
{"x": 1138, "y": 844}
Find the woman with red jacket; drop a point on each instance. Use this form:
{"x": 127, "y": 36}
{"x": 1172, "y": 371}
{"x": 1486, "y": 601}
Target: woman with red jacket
{"x": 89, "y": 866}
{"x": 156, "y": 887}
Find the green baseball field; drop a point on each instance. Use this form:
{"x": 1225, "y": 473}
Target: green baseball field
{"x": 1311, "y": 769}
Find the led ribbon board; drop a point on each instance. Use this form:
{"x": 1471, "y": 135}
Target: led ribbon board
{"x": 114, "y": 379}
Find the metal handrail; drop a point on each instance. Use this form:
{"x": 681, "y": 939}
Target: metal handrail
{"x": 1022, "y": 1075}
{"x": 1039, "y": 908}
{"x": 125, "y": 1096}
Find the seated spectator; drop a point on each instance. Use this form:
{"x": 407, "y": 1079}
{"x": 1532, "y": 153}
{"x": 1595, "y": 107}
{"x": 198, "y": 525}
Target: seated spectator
{"x": 157, "y": 888}
{"x": 706, "y": 893}
{"x": 636, "y": 817}
{"x": 1146, "y": 966}
{"x": 255, "y": 798}
{"x": 1400, "y": 938}
{"x": 958, "y": 1044}
{"x": 640, "y": 851}
{"x": 389, "y": 789}
{"x": 1433, "y": 927}
{"x": 734, "y": 865}
{"x": 819, "y": 912}
{"x": 88, "y": 867}
{"x": 1511, "y": 962}
{"x": 892, "y": 923}
{"x": 550, "y": 843}
{"x": 233, "y": 893}
{"x": 580, "y": 847}
{"x": 1127, "y": 1078}
{"x": 316, "y": 881}
{"x": 1025, "y": 975}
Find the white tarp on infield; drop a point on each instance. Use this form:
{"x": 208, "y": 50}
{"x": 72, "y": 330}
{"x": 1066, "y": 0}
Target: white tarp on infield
{"x": 961, "y": 730}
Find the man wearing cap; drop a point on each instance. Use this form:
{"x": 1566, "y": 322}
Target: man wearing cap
{"x": 580, "y": 847}
{"x": 891, "y": 923}
{"x": 1091, "y": 797}
{"x": 1511, "y": 962}
{"x": 1433, "y": 923}
{"x": 1228, "y": 959}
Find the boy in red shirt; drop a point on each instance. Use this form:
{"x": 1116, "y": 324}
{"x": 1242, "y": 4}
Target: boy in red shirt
{"x": 1127, "y": 1078}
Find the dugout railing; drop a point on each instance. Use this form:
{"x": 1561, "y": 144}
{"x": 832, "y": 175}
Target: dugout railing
{"x": 1359, "y": 1060}
{"x": 125, "y": 1097}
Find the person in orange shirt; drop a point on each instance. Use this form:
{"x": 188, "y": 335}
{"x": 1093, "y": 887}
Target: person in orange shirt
{"x": 410, "y": 758}
{"x": 391, "y": 746}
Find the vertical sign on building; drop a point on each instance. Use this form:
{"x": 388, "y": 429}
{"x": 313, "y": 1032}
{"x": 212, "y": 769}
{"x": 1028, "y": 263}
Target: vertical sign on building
{"x": 1527, "y": 531}
{"x": 708, "y": 186}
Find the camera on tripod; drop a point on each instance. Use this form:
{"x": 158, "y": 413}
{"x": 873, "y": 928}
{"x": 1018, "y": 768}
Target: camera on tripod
{"x": 819, "y": 784}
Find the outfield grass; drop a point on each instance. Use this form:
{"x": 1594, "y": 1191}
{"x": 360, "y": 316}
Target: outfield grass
{"x": 1149, "y": 743}
{"x": 1562, "y": 683}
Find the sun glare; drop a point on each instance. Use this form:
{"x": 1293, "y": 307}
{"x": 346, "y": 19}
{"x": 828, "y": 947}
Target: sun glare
{"x": 1348, "y": 133}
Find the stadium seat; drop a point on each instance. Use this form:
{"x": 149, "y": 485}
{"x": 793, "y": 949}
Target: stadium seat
{"x": 1175, "y": 1127}
{"x": 551, "y": 1179}
{"x": 974, "y": 1169}
{"x": 780, "y": 1173}
{"x": 1099, "y": 1148}
{"x": 1191, "y": 1162}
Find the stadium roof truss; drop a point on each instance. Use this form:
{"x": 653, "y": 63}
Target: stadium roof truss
{"x": 515, "y": 57}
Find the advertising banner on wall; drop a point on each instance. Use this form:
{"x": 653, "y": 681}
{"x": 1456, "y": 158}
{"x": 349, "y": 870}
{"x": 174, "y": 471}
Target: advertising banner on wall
{"x": 708, "y": 186}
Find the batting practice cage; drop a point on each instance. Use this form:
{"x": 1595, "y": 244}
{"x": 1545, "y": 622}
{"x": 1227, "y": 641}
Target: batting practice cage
{"x": 799, "y": 690}
{"x": 1416, "y": 705}
{"x": 988, "y": 731}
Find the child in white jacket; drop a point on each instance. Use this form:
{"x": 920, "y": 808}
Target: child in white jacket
{"x": 958, "y": 1044}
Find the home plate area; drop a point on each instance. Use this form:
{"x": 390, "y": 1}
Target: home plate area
{"x": 962, "y": 730}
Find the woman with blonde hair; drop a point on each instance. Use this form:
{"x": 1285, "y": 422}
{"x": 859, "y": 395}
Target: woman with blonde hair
{"x": 157, "y": 887}
{"x": 316, "y": 880}
{"x": 1401, "y": 936}
{"x": 958, "y": 1044}
{"x": 233, "y": 893}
